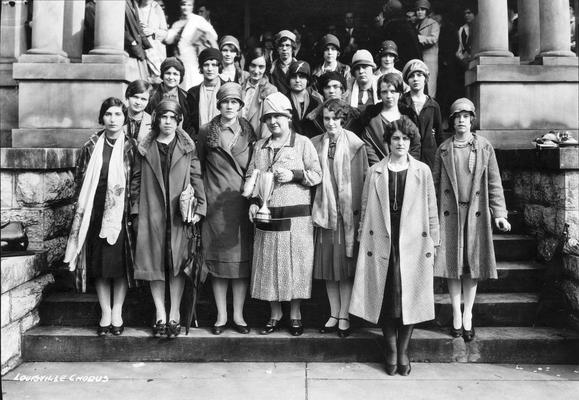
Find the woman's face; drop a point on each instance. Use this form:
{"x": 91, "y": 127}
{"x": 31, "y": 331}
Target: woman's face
{"x": 330, "y": 54}
{"x": 138, "y": 102}
{"x": 229, "y": 108}
{"x": 229, "y": 53}
{"x": 389, "y": 95}
{"x": 462, "y": 122}
{"x": 278, "y": 124}
{"x": 417, "y": 81}
{"x": 257, "y": 69}
{"x": 113, "y": 119}
{"x": 171, "y": 78}
{"x": 399, "y": 144}
{"x": 298, "y": 83}
{"x": 333, "y": 90}
{"x": 186, "y": 8}
{"x": 363, "y": 73}
{"x": 285, "y": 50}
{"x": 167, "y": 123}
{"x": 210, "y": 69}
{"x": 421, "y": 13}
{"x": 332, "y": 123}
{"x": 387, "y": 61}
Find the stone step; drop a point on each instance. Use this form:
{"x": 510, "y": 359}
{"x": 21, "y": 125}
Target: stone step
{"x": 511, "y": 247}
{"x": 491, "y": 345}
{"x": 491, "y": 309}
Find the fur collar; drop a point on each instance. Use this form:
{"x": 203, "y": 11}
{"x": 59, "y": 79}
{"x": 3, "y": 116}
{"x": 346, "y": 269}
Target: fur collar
{"x": 213, "y": 139}
{"x": 182, "y": 137}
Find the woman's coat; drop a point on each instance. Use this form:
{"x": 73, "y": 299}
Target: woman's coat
{"x": 428, "y": 32}
{"x": 148, "y": 202}
{"x": 486, "y": 202}
{"x": 418, "y": 237}
{"x": 255, "y": 108}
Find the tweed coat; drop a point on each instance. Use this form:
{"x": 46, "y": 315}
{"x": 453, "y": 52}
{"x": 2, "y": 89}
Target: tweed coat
{"x": 487, "y": 201}
{"x": 418, "y": 237}
{"x": 148, "y": 202}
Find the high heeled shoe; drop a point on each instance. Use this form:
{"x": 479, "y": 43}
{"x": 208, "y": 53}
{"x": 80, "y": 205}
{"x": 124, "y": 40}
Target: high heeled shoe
{"x": 103, "y": 330}
{"x": 404, "y": 370}
{"x": 330, "y": 329}
{"x": 391, "y": 369}
{"x": 117, "y": 330}
{"x": 173, "y": 329}
{"x": 243, "y": 329}
{"x": 159, "y": 329}
{"x": 271, "y": 326}
{"x": 455, "y": 333}
{"x": 218, "y": 329}
{"x": 468, "y": 335}
{"x": 344, "y": 332}
{"x": 296, "y": 328}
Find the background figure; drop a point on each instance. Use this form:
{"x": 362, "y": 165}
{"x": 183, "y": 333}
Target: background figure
{"x": 428, "y": 31}
{"x": 154, "y": 25}
{"x": 134, "y": 44}
{"x": 166, "y": 166}
{"x": 174, "y": 33}
{"x": 387, "y": 57}
{"x": 330, "y": 46}
{"x": 335, "y": 212}
{"x": 303, "y": 99}
{"x": 139, "y": 121}
{"x": 350, "y": 37}
{"x": 231, "y": 53}
{"x": 362, "y": 89}
{"x": 470, "y": 198}
{"x": 398, "y": 236}
{"x": 225, "y": 146}
{"x": 285, "y": 43}
{"x": 99, "y": 245}
{"x": 283, "y": 254}
{"x": 398, "y": 29}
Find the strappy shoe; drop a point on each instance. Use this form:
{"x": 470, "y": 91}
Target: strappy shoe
{"x": 173, "y": 329}
{"x": 159, "y": 329}
{"x": 330, "y": 329}
{"x": 296, "y": 328}
{"x": 271, "y": 326}
{"x": 344, "y": 332}
{"x": 103, "y": 330}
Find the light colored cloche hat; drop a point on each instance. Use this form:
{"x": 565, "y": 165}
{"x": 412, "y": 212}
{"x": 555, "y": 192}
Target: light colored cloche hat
{"x": 413, "y": 66}
{"x": 276, "y": 103}
{"x": 232, "y": 40}
{"x": 362, "y": 57}
{"x": 462, "y": 104}
{"x": 229, "y": 90}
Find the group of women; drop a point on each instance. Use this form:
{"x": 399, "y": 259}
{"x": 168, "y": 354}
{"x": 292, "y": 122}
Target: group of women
{"x": 368, "y": 205}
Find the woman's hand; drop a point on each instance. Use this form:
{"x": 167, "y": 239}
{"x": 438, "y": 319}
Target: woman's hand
{"x": 147, "y": 31}
{"x": 502, "y": 224}
{"x": 253, "y": 211}
{"x": 196, "y": 218}
{"x": 283, "y": 175}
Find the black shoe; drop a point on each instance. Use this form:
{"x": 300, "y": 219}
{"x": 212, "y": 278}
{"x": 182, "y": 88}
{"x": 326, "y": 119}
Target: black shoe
{"x": 159, "y": 329}
{"x": 117, "y": 330}
{"x": 344, "y": 332}
{"x": 330, "y": 329}
{"x": 243, "y": 329}
{"x": 468, "y": 335}
{"x": 404, "y": 370}
{"x": 391, "y": 369}
{"x": 103, "y": 330}
{"x": 173, "y": 329}
{"x": 218, "y": 329}
{"x": 271, "y": 326}
{"x": 296, "y": 328}
{"x": 455, "y": 333}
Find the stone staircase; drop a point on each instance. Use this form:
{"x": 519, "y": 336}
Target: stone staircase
{"x": 511, "y": 326}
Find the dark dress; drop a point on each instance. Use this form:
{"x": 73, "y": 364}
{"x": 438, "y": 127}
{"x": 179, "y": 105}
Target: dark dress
{"x": 392, "y": 303}
{"x": 165, "y": 155}
{"x": 104, "y": 260}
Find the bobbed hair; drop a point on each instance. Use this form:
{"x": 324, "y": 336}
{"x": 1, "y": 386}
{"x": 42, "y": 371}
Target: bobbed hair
{"x": 403, "y": 125}
{"x": 338, "y": 107}
{"x": 136, "y": 87}
{"x": 112, "y": 102}
{"x": 391, "y": 79}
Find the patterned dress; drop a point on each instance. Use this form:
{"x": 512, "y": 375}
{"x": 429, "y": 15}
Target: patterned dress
{"x": 283, "y": 250}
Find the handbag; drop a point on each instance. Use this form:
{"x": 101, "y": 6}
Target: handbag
{"x": 187, "y": 204}
{"x": 13, "y": 236}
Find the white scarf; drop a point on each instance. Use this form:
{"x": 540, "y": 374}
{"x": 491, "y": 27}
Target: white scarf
{"x": 356, "y": 91}
{"x": 114, "y": 202}
{"x": 207, "y": 109}
{"x": 325, "y": 209}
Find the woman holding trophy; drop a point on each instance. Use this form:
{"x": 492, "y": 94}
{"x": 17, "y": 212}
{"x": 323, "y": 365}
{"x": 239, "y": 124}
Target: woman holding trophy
{"x": 283, "y": 169}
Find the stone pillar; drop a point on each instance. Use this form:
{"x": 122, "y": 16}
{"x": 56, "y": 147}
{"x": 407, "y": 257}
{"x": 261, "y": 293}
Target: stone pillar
{"x": 555, "y": 28}
{"x": 73, "y": 28}
{"x": 47, "y": 23}
{"x": 529, "y": 35}
{"x": 492, "y": 30}
{"x": 12, "y": 30}
{"x": 109, "y": 35}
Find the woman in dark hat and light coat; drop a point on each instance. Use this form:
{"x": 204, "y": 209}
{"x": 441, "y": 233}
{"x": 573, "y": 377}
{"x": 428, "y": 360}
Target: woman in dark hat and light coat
{"x": 428, "y": 31}
{"x": 225, "y": 147}
{"x": 231, "y": 52}
{"x": 470, "y": 200}
{"x": 167, "y": 165}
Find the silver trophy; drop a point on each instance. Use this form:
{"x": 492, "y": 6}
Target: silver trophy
{"x": 265, "y": 189}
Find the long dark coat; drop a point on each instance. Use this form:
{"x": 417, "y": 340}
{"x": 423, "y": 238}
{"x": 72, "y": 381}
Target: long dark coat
{"x": 419, "y": 235}
{"x": 486, "y": 202}
{"x": 227, "y": 231}
{"x": 148, "y": 202}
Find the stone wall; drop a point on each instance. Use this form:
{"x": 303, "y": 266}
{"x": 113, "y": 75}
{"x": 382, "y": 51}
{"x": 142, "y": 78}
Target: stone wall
{"x": 546, "y": 188}
{"x": 38, "y": 190}
{"x": 23, "y": 281}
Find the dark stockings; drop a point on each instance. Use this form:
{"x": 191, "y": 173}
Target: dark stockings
{"x": 396, "y": 341}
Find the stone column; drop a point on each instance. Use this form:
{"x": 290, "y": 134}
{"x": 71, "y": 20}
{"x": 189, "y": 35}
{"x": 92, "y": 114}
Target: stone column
{"x": 529, "y": 34}
{"x": 109, "y": 35}
{"x": 555, "y": 28}
{"x": 12, "y": 30}
{"x": 47, "y": 23}
{"x": 492, "y": 29}
{"x": 73, "y": 28}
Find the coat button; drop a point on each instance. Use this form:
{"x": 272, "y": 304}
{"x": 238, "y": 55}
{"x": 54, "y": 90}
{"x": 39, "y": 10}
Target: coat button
{"x": 424, "y": 234}
{"x": 477, "y": 193}
{"x": 477, "y": 213}
{"x": 371, "y": 232}
{"x": 446, "y": 213}
{"x": 428, "y": 255}
{"x": 369, "y": 254}
{"x": 446, "y": 191}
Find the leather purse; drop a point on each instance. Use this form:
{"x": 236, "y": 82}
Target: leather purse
{"x": 13, "y": 236}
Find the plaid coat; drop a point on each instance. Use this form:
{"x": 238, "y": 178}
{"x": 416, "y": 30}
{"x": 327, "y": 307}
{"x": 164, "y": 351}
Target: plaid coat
{"x": 418, "y": 237}
{"x": 80, "y": 172}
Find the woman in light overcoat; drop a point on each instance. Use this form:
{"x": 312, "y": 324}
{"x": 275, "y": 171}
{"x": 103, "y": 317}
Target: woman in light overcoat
{"x": 428, "y": 31}
{"x": 398, "y": 235}
{"x": 470, "y": 198}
